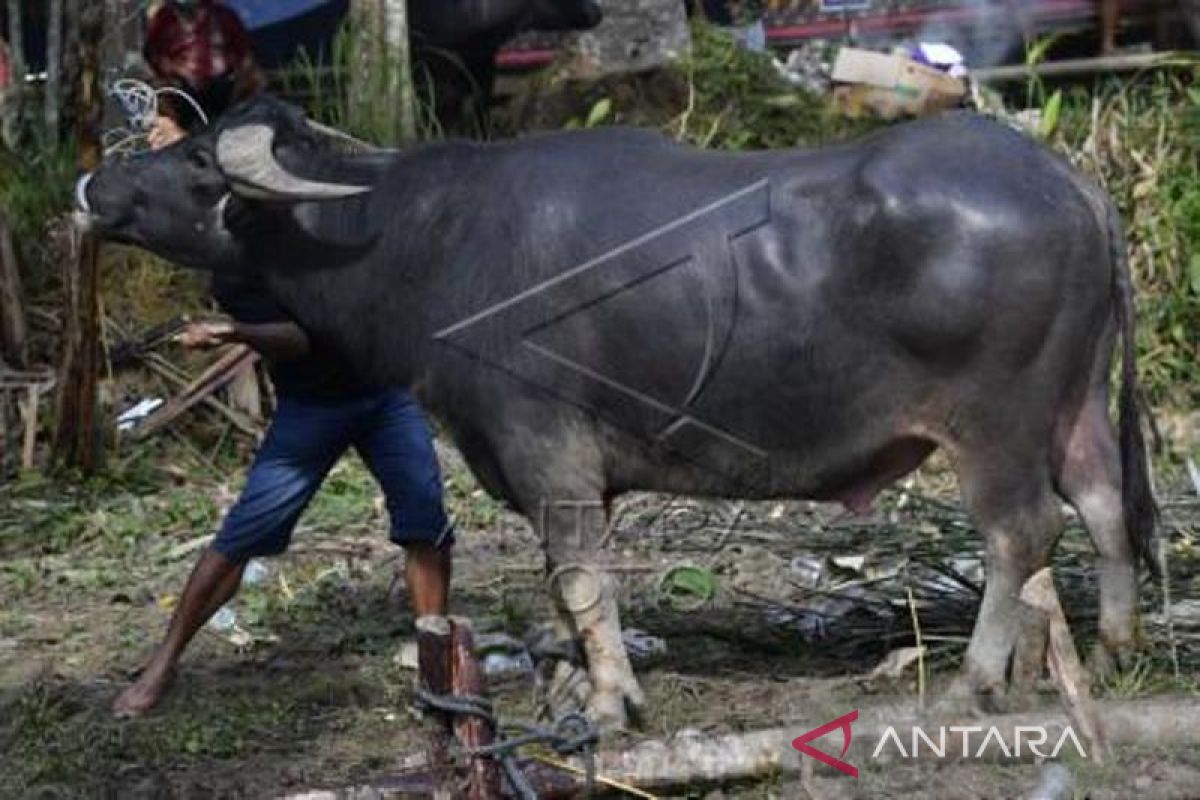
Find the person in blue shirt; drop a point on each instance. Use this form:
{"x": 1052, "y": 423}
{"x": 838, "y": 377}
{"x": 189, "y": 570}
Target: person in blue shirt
{"x": 322, "y": 411}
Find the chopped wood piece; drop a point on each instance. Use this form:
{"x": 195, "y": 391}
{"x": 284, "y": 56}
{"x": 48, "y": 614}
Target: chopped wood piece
{"x": 1063, "y": 660}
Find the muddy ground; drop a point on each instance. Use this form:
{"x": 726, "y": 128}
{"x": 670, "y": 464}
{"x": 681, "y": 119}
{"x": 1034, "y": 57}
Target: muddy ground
{"x": 308, "y": 691}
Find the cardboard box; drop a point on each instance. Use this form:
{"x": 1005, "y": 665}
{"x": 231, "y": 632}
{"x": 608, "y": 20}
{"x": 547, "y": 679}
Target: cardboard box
{"x": 891, "y": 86}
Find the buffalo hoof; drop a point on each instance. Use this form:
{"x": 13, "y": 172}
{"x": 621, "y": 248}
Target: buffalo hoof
{"x": 1111, "y": 664}
{"x": 619, "y": 708}
{"x": 968, "y": 697}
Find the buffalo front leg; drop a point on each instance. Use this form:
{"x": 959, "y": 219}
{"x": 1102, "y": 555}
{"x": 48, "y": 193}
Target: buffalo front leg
{"x": 584, "y": 590}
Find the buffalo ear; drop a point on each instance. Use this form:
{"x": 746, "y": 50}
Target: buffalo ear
{"x": 246, "y": 156}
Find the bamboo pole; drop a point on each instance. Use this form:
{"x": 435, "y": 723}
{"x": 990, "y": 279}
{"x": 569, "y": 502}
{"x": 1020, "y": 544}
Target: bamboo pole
{"x": 1131, "y": 62}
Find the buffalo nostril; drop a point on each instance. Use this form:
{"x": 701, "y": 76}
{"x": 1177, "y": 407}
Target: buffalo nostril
{"x": 81, "y": 193}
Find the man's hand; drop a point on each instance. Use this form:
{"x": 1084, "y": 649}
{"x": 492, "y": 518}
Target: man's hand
{"x": 164, "y": 132}
{"x": 207, "y": 334}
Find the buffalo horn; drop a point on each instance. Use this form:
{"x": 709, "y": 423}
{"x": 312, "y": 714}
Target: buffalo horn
{"x": 246, "y": 157}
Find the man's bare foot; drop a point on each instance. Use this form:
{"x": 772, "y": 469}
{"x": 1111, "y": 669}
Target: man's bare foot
{"x": 145, "y": 693}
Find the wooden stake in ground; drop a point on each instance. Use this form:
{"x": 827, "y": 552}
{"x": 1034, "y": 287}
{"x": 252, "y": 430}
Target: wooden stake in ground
{"x": 434, "y": 670}
{"x": 76, "y": 432}
{"x": 1063, "y": 660}
{"x": 466, "y": 680}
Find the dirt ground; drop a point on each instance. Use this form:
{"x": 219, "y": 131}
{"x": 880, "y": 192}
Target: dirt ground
{"x": 307, "y": 690}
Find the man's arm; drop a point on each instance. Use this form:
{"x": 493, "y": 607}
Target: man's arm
{"x": 274, "y": 341}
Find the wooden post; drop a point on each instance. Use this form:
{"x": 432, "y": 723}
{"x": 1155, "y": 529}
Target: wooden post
{"x": 13, "y": 328}
{"x": 10, "y": 122}
{"x": 434, "y": 675}
{"x": 76, "y": 441}
{"x": 466, "y": 679}
{"x": 29, "y": 440}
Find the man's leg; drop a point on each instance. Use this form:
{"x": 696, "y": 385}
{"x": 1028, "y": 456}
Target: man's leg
{"x": 214, "y": 580}
{"x": 300, "y": 448}
{"x": 396, "y": 444}
{"x": 427, "y": 574}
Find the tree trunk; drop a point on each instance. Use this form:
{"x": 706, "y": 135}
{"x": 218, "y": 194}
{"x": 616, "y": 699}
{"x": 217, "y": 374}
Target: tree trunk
{"x": 54, "y": 60}
{"x": 13, "y": 331}
{"x": 365, "y": 79}
{"x": 10, "y": 103}
{"x": 76, "y": 439}
{"x": 399, "y": 62}
{"x": 122, "y": 36}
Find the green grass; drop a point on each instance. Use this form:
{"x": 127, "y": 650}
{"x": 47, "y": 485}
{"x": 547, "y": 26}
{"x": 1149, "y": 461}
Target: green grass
{"x": 35, "y": 187}
{"x": 1141, "y": 138}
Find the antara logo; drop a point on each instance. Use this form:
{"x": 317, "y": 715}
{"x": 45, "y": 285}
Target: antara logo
{"x": 801, "y": 743}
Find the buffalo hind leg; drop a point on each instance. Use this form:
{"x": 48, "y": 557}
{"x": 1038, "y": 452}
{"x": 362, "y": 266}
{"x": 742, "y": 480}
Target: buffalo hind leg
{"x": 1088, "y": 476}
{"x": 1020, "y": 518}
{"x": 584, "y": 591}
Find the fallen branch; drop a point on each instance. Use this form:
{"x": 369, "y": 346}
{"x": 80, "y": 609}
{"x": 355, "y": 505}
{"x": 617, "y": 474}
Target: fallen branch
{"x": 719, "y": 759}
{"x": 698, "y": 760}
{"x": 200, "y": 390}
{"x": 1039, "y": 595}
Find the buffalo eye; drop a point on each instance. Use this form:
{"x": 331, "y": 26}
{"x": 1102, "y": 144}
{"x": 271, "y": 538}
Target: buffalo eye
{"x": 200, "y": 158}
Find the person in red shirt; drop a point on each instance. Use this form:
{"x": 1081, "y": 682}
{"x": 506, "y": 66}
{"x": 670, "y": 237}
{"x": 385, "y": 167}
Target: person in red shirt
{"x": 202, "y": 48}
{"x": 5, "y": 69}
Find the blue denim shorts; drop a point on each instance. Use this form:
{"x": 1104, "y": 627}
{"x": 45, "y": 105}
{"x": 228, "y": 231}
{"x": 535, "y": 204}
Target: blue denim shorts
{"x": 305, "y": 440}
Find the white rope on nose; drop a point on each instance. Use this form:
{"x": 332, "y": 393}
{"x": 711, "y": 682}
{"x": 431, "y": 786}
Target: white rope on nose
{"x": 139, "y": 102}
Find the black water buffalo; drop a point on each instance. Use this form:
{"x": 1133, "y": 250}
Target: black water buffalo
{"x": 455, "y": 43}
{"x": 591, "y": 313}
